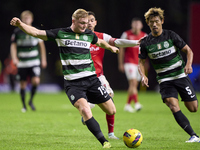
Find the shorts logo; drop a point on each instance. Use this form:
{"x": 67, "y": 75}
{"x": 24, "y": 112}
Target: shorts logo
{"x": 192, "y": 96}
{"x": 72, "y": 97}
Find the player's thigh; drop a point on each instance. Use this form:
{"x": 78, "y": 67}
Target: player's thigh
{"x": 133, "y": 82}
{"x": 108, "y": 107}
{"x": 192, "y": 106}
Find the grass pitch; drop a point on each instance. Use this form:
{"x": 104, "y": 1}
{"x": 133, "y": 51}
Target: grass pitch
{"x": 56, "y": 124}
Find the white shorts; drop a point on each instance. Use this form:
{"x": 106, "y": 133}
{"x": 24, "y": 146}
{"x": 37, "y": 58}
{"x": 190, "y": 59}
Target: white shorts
{"x": 131, "y": 71}
{"x": 105, "y": 83}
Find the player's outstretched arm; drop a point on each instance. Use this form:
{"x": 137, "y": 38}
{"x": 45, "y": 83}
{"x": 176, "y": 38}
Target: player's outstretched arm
{"x": 105, "y": 45}
{"x": 28, "y": 29}
{"x": 141, "y": 70}
{"x": 123, "y": 42}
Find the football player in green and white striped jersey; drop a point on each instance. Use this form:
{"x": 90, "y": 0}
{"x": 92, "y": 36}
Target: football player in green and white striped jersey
{"x": 26, "y": 56}
{"x": 163, "y": 49}
{"x": 81, "y": 83}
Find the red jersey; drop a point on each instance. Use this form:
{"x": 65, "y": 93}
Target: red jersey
{"x": 131, "y": 53}
{"x": 97, "y": 53}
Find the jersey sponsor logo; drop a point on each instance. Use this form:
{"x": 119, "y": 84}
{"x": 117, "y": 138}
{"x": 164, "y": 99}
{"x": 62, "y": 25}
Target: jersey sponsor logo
{"x": 94, "y": 48}
{"x": 75, "y": 43}
{"x": 163, "y": 53}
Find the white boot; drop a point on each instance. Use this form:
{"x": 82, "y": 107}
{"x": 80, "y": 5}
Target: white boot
{"x": 129, "y": 108}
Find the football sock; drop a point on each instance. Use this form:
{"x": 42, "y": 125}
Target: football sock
{"x": 135, "y": 98}
{"x": 129, "y": 99}
{"x": 110, "y": 122}
{"x": 94, "y": 127}
{"x": 22, "y": 94}
{"x": 33, "y": 90}
{"x": 182, "y": 120}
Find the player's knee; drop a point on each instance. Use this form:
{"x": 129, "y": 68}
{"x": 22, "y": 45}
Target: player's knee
{"x": 86, "y": 112}
{"x": 112, "y": 112}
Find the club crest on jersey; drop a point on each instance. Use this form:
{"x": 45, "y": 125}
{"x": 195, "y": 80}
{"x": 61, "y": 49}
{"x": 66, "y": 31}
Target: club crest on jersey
{"x": 85, "y": 37}
{"x": 159, "y": 46}
{"x": 166, "y": 44}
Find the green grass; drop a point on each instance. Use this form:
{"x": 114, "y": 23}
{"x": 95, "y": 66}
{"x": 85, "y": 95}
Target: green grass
{"x": 56, "y": 125}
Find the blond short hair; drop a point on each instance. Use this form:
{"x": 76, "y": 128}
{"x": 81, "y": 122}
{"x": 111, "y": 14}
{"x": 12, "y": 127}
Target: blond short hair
{"x": 154, "y": 12}
{"x": 80, "y": 13}
{"x": 26, "y": 12}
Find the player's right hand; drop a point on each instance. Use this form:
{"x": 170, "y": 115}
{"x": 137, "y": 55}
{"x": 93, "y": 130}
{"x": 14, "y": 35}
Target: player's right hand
{"x": 15, "y": 21}
{"x": 15, "y": 61}
{"x": 114, "y": 49}
{"x": 145, "y": 81}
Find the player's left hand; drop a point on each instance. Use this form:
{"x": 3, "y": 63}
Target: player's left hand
{"x": 188, "y": 69}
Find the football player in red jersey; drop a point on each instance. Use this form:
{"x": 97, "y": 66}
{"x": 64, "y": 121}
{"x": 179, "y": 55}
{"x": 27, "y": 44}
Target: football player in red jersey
{"x": 128, "y": 63}
{"x": 97, "y": 54}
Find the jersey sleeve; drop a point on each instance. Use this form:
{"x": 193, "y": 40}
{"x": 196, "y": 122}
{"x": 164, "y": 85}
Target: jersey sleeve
{"x": 95, "y": 39}
{"x": 177, "y": 40}
{"x": 52, "y": 34}
{"x": 143, "y": 52}
{"x": 123, "y": 36}
{"x": 13, "y": 39}
{"x": 106, "y": 37}
{"x": 13, "y": 36}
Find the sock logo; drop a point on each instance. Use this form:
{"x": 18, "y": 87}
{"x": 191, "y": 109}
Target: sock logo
{"x": 111, "y": 125}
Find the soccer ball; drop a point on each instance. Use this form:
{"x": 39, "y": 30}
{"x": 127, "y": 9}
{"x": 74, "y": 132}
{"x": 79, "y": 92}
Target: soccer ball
{"x": 132, "y": 138}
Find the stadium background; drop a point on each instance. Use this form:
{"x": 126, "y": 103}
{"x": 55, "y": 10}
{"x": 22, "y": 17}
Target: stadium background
{"x": 114, "y": 17}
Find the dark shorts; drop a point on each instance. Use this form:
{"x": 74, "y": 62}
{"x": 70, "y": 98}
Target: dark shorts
{"x": 23, "y": 73}
{"x": 183, "y": 86}
{"x": 89, "y": 88}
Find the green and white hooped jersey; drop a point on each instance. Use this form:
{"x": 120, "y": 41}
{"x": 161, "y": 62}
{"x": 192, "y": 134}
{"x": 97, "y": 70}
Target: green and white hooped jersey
{"x": 74, "y": 50}
{"x": 27, "y": 49}
{"x": 164, "y": 54}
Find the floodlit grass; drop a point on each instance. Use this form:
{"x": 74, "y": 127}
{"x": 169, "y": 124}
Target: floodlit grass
{"x": 56, "y": 124}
